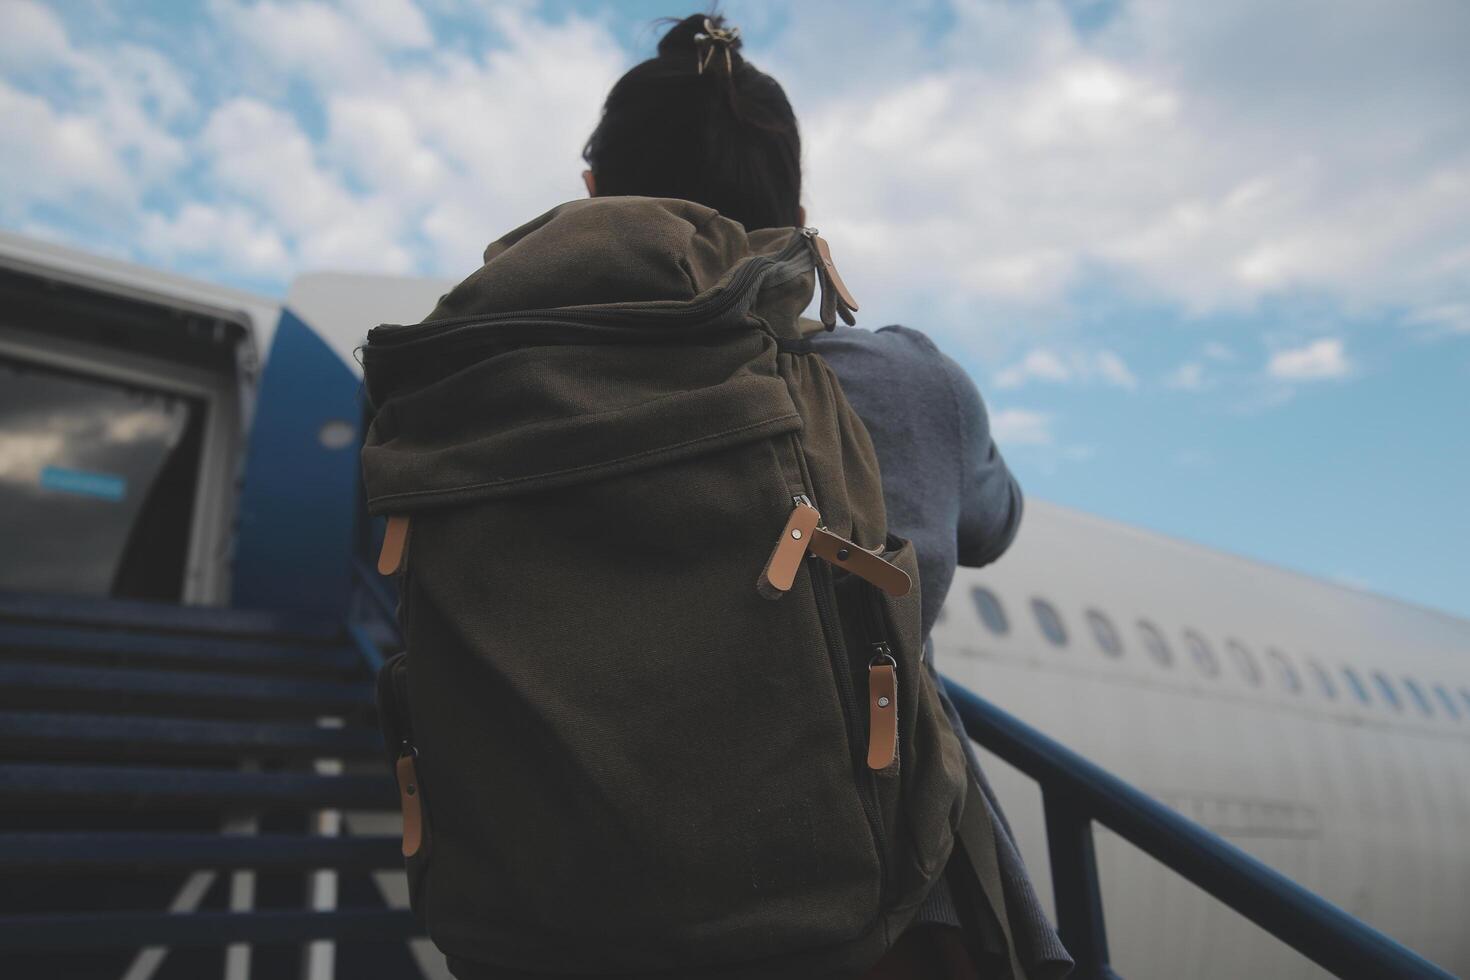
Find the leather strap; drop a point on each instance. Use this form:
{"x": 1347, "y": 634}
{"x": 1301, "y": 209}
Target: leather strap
{"x": 395, "y": 545}
{"x": 977, "y": 840}
{"x": 824, "y": 255}
{"x": 860, "y": 561}
{"x": 882, "y": 716}
{"x": 780, "y": 571}
{"x": 410, "y": 799}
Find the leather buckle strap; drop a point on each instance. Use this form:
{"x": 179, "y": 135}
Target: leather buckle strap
{"x": 804, "y": 533}
{"x": 865, "y": 564}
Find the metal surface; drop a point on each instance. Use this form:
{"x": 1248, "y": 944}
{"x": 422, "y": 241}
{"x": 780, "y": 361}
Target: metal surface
{"x": 150, "y": 851}
{"x": 102, "y": 930}
{"x": 295, "y": 545}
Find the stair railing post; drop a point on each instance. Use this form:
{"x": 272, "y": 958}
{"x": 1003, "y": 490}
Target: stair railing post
{"x": 1075, "y": 883}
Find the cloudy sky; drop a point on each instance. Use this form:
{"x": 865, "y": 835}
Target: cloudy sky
{"x": 1208, "y": 262}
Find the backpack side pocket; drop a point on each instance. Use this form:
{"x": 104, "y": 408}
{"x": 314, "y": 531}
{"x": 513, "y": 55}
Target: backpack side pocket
{"x": 403, "y": 759}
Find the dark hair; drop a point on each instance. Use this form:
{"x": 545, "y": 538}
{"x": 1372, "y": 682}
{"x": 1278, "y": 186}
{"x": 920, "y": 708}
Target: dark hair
{"x": 722, "y": 135}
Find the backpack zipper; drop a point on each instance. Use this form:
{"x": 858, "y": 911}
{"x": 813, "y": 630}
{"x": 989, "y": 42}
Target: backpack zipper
{"x": 797, "y": 257}
{"x": 823, "y": 590}
{"x": 882, "y": 687}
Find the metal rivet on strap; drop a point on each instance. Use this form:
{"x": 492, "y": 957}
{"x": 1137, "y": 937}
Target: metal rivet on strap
{"x": 796, "y": 533}
{"x": 842, "y": 554}
{"x": 882, "y": 702}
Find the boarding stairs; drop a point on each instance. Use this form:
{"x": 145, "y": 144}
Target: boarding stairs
{"x": 180, "y": 786}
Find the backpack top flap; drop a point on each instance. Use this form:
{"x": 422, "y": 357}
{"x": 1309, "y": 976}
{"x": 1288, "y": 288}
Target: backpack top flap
{"x": 605, "y": 251}
{"x": 539, "y": 371}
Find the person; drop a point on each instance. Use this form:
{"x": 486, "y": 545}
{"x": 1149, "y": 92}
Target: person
{"x": 698, "y": 122}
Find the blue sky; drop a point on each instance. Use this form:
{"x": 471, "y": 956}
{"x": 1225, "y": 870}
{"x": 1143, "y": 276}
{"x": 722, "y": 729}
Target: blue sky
{"x": 1209, "y": 263}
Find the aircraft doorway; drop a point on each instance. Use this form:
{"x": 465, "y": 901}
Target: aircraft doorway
{"x": 119, "y": 444}
{"x": 97, "y": 484}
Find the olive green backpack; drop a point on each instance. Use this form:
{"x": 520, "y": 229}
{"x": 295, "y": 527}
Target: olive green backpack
{"x": 662, "y": 710}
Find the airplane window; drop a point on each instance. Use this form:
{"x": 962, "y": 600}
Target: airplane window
{"x": 1104, "y": 633}
{"x": 1204, "y": 657}
{"x": 991, "y": 611}
{"x": 1284, "y": 670}
{"x": 1245, "y": 661}
{"x": 1389, "y": 693}
{"x": 1324, "y": 680}
{"x": 1447, "y": 701}
{"x": 1154, "y": 643}
{"x": 1356, "y": 684}
{"x": 1049, "y": 621}
{"x": 1417, "y": 693}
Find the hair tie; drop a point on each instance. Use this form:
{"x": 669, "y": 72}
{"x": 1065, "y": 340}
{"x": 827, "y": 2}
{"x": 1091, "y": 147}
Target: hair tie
{"x": 711, "y": 37}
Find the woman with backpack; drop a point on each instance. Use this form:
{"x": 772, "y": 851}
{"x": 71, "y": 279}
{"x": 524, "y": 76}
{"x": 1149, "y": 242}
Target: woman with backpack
{"x": 694, "y": 128}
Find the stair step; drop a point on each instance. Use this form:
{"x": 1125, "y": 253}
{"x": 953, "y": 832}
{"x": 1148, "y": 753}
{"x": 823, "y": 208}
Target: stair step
{"x": 39, "y": 786}
{"x": 119, "y": 648}
{"x": 140, "y": 852}
{"x": 104, "y": 930}
{"x": 28, "y": 735}
{"x": 109, "y": 689}
{"x": 164, "y": 617}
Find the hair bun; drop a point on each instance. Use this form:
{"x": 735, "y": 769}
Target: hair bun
{"x": 704, "y": 40}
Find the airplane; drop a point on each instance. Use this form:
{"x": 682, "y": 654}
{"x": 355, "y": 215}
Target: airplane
{"x": 1322, "y": 729}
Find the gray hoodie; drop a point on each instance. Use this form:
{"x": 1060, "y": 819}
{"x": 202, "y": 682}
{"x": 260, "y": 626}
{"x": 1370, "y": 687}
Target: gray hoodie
{"x": 947, "y": 489}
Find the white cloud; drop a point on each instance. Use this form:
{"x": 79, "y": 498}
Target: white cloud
{"x": 100, "y": 138}
{"x": 1021, "y": 427}
{"x": 1039, "y": 364}
{"x": 1021, "y": 155}
{"x": 55, "y": 156}
{"x": 393, "y": 23}
{"x": 1195, "y": 374}
{"x": 423, "y": 162}
{"x": 991, "y": 170}
{"x": 1044, "y": 364}
{"x": 1112, "y": 369}
{"x": 1189, "y": 376}
{"x": 1325, "y": 358}
{"x": 261, "y": 155}
{"x": 415, "y": 172}
{"x": 33, "y": 36}
{"x": 1442, "y": 318}
{"x": 232, "y": 237}
{"x": 318, "y": 41}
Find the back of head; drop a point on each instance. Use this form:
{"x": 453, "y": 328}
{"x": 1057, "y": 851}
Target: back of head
{"x": 701, "y": 124}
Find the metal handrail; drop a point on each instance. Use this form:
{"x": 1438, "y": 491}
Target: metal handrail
{"x": 1076, "y": 793}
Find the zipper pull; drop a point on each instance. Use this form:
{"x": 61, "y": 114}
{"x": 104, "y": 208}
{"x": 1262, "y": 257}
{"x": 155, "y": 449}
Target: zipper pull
{"x": 882, "y": 710}
{"x": 780, "y": 571}
{"x": 410, "y": 799}
{"x": 836, "y": 300}
{"x": 395, "y": 545}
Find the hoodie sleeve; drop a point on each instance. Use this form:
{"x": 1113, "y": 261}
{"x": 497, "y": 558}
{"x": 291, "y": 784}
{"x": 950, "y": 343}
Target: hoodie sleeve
{"x": 990, "y": 498}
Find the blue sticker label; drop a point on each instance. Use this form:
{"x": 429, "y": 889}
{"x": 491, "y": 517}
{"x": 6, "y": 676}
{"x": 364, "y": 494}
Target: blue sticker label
{"x": 102, "y": 485}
